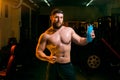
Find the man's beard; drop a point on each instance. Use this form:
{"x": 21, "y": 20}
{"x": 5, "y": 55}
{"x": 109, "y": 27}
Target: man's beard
{"x": 57, "y": 26}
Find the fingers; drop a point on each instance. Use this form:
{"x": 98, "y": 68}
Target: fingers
{"x": 93, "y": 34}
{"x": 52, "y": 59}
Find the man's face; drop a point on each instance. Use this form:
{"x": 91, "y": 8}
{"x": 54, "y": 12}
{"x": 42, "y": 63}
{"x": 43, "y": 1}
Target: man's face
{"x": 57, "y": 20}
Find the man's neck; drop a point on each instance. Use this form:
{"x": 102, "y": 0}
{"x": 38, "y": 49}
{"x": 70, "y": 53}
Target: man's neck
{"x": 55, "y": 29}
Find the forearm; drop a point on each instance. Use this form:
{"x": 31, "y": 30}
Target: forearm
{"x": 41, "y": 55}
{"x": 83, "y": 41}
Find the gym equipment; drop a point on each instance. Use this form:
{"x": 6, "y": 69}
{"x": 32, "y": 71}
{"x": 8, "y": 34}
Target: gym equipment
{"x": 93, "y": 61}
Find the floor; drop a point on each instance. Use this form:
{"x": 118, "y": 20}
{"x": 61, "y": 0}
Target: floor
{"x": 38, "y": 69}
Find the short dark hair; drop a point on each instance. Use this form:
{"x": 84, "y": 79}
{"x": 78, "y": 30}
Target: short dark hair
{"x": 56, "y": 10}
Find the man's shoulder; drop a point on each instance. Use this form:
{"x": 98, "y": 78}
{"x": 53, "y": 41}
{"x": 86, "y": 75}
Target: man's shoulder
{"x": 44, "y": 35}
{"x": 68, "y": 28}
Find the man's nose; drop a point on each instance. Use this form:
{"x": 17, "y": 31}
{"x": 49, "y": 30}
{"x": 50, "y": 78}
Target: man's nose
{"x": 58, "y": 19}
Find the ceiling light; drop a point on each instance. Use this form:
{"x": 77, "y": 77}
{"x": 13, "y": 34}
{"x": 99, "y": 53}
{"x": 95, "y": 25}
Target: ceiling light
{"x": 46, "y": 2}
{"x": 89, "y": 2}
{"x": 31, "y": 1}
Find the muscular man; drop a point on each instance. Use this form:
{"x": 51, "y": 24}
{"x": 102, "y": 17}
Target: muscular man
{"x": 57, "y": 39}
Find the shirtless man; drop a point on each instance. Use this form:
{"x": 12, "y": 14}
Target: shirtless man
{"x": 57, "y": 39}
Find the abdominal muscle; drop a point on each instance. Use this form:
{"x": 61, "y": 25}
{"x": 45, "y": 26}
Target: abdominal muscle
{"x": 62, "y": 58}
{"x": 62, "y": 55}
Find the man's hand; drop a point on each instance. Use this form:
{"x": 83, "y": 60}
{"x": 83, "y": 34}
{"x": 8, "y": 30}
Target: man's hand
{"x": 52, "y": 59}
{"x": 92, "y": 34}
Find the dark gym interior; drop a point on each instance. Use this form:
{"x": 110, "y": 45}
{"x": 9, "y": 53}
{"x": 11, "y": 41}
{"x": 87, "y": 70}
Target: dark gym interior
{"x": 24, "y": 21}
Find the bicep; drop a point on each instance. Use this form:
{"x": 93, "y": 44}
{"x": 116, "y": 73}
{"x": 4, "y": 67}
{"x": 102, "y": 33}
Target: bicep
{"x": 41, "y": 43}
{"x": 78, "y": 39}
{"x": 40, "y": 48}
{"x": 75, "y": 37}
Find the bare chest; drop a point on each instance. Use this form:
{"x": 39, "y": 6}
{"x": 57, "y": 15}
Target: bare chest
{"x": 59, "y": 38}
